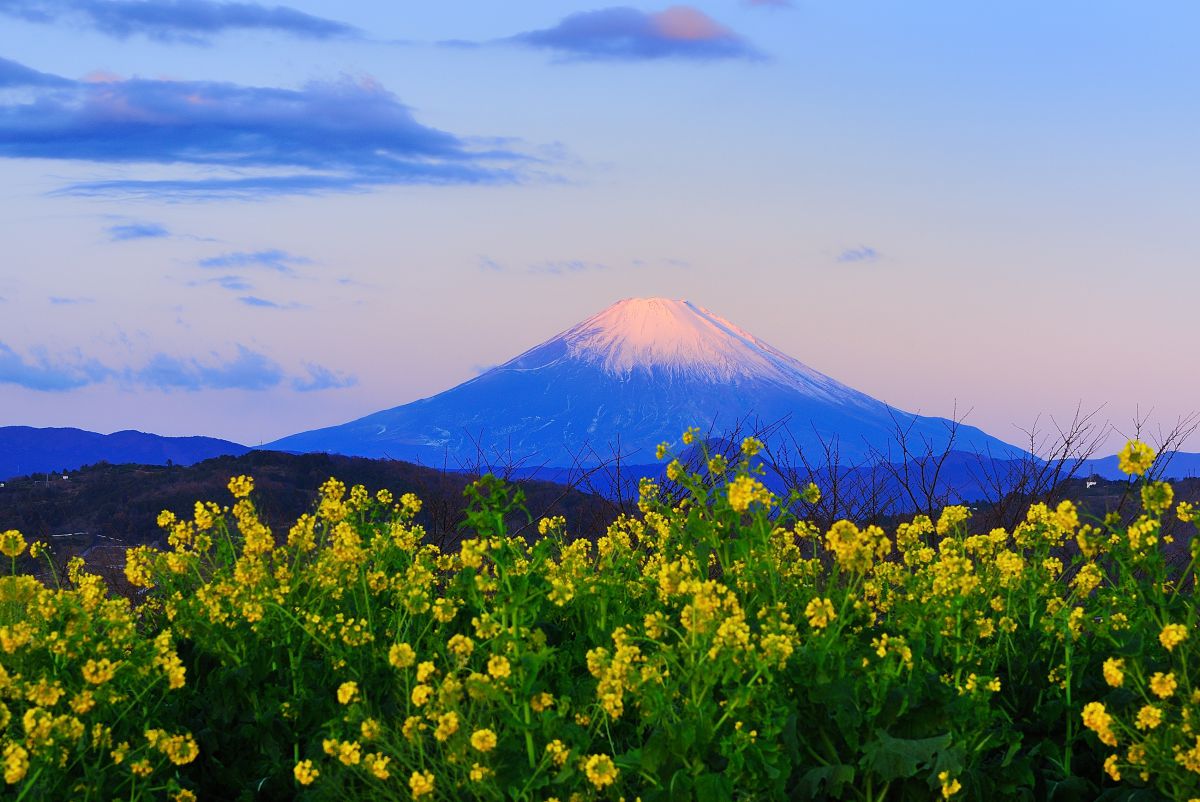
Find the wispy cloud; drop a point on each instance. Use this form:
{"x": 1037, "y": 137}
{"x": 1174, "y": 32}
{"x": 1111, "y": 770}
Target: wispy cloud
{"x": 321, "y": 378}
{"x": 628, "y": 34}
{"x": 59, "y": 300}
{"x": 263, "y": 303}
{"x": 190, "y": 21}
{"x": 231, "y": 282}
{"x": 565, "y": 267}
{"x": 246, "y": 370}
{"x": 38, "y": 371}
{"x": 128, "y": 231}
{"x": 273, "y": 259}
{"x": 249, "y": 370}
{"x": 349, "y": 135}
{"x": 859, "y": 254}
{"x": 569, "y": 267}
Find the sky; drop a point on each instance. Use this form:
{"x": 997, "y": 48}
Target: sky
{"x": 245, "y": 220}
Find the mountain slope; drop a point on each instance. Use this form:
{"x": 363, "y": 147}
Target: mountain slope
{"x": 25, "y": 450}
{"x": 635, "y": 374}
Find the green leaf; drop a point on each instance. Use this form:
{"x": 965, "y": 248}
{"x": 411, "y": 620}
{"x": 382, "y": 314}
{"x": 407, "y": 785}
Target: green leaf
{"x": 1072, "y": 789}
{"x": 897, "y": 758}
{"x": 714, "y": 788}
{"x": 825, "y": 780}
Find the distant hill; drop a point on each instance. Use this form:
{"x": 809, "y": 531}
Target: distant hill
{"x": 26, "y": 450}
{"x": 1180, "y": 466}
{"x": 102, "y": 509}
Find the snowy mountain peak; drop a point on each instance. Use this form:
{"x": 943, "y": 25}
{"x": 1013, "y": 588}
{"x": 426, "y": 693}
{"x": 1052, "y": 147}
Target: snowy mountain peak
{"x": 680, "y": 338}
{"x": 637, "y": 373}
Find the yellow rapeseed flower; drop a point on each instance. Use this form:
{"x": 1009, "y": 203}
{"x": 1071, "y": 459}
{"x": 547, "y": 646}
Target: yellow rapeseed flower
{"x": 1172, "y": 635}
{"x": 1135, "y": 458}
{"x": 12, "y": 543}
{"x": 1114, "y": 671}
{"x": 420, "y": 783}
{"x": 377, "y": 764}
{"x": 347, "y": 692}
{"x": 461, "y": 646}
{"x": 421, "y": 694}
{"x": 751, "y": 446}
{"x": 16, "y": 763}
{"x": 241, "y": 486}
{"x": 744, "y": 491}
{"x": 600, "y": 770}
{"x": 1149, "y": 717}
{"x": 447, "y": 725}
{"x": 950, "y": 785}
{"x": 401, "y": 655}
{"x": 499, "y": 667}
{"x": 820, "y": 612}
{"x": 951, "y": 519}
{"x": 1097, "y": 719}
{"x": 1157, "y": 497}
{"x": 558, "y": 752}
{"x": 98, "y": 672}
{"x": 483, "y": 740}
{"x": 305, "y": 772}
{"x": 1163, "y": 685}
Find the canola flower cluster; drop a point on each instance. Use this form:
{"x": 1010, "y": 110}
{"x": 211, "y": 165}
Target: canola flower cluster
{"x": 717, "y": 647}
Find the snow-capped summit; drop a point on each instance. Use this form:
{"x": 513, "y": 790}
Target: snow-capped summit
{"x": 677, "y": 337}
{"x": 634, "y": 375}
{"x": 683, "y": 340}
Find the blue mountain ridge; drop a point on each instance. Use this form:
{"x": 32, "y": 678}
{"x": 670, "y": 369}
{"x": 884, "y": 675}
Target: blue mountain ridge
{"x": 26, "y": 450}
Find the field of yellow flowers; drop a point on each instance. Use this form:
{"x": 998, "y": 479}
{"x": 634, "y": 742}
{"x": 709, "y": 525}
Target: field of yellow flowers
{"x": 713, "y": 649}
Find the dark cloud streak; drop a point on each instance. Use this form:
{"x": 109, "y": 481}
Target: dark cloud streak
{"x": 342, "y": 136}
{"x": 128, "y": 231}
{"x": 863, "y": 253}
{"x": 188, "y": 21}
{"x": 273, "y": 259}
{"x": 247, "y": 370}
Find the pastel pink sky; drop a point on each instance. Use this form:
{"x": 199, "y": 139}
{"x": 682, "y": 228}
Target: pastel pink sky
{"x": 946, "y": 206}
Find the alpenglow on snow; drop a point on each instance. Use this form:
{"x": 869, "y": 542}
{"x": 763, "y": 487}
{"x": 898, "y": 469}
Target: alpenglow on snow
{"x": 636, "y": 374}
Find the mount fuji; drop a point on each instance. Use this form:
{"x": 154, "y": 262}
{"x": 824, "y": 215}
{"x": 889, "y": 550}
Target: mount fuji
{"x": 630, "y": 377}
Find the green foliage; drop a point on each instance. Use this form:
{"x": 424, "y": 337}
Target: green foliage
{"x": 707, "y": 650}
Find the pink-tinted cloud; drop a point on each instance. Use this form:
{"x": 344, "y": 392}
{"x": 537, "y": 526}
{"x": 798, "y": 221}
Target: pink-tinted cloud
{"x": 686, "y": 24}
{"x": 629, "y": 34}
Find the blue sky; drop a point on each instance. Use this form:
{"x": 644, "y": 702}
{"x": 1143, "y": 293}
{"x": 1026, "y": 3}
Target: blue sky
{"x": 245, "y": 220}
